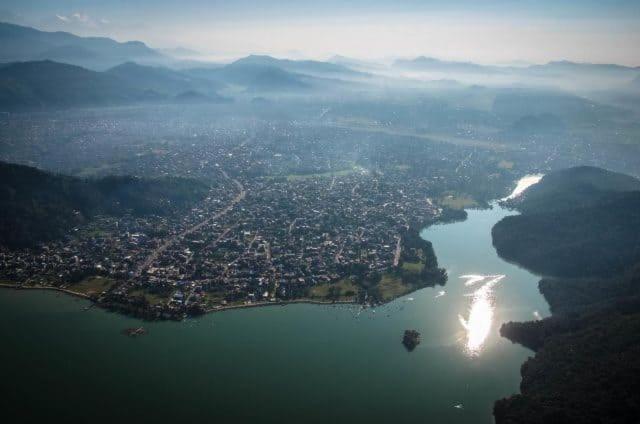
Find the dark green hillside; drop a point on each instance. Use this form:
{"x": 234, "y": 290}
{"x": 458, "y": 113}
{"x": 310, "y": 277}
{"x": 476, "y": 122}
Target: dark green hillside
{"x": 586, "y": 366}
{"x": 585, "y": 372}
{"x": 580, "y": 222}
{"x": 39, "y": 206}
{"x": 587, "y": 241}
{"x": 572, "y": 188}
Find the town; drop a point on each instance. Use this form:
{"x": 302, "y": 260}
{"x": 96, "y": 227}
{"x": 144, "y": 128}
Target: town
{"x": 290, "y": 221}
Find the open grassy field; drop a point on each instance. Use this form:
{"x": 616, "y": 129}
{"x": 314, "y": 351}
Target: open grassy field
{"x": 429, "y": 137}
{"x": 152, "y": 298}
{"x": 92, "y": 285}
{"x": 294, "y": 177}
{"x": 392, "y": 286}
{"x": 505, "y": 164}
{"x": 457, "y": 201}
{"x": 412, "y": 266}
{"x": 347, "y": 290}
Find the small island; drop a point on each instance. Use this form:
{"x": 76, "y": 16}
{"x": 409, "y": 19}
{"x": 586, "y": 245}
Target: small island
{"x": 411, "y": 339}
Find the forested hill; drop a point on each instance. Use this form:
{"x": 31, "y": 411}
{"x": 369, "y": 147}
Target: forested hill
{"x": 597, "y": 240}
{"x": 579, "y": 222}
{"x": 39, "y": 206}
{"x": 582, "y": 224}
{"x": 573, "y": 188}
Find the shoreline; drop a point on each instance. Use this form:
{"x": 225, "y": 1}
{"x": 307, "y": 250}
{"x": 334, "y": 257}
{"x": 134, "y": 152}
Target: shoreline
{"x": 281, "y": 303}
{"x": 49, "y": 288}
{"x": 208, "y": 311}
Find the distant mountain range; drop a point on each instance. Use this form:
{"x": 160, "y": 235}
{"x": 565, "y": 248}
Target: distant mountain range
{"x": 270, "y": 75}
{"x": 428, "y": 64}
{"x": 163, "y": 80}
{"x": 423, "y": 63}
{"x": 52, "y": 84}
{"x": 58, "y": 69}
{"x": 307, "y": 67}
{"x": 47, "y": 84}
{"x": 20, "y": 44}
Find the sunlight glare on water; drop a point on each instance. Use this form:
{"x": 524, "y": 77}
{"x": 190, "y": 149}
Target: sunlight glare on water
{"x": 523, "y": 184}
{"x": 478, "y": 324}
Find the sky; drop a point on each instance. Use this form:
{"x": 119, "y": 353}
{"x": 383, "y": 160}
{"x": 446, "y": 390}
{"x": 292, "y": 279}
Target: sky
{"x": 484, "y": 31}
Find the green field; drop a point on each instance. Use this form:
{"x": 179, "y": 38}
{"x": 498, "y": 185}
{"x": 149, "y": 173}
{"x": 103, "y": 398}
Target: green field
{"x": 457, "y": 201}
{"x": 392, "y": 286}
{"x": 345, "y": 289}
{"x": 340, "y": 173}
{"x": 152, "y": 298}
{"x": 92, "y": 285}
{"x": 412, "y": 266}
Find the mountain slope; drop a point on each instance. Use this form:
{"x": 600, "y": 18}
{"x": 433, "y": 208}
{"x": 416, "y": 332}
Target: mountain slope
{"x": 308, "y": 67}
{"x": 582, "y": 224}
{"x": 572, "y": 188}
{"x": 597, "y": 240}
{"x": 161, "y": 80}
{"x": 39, "y": 206}
{"x": 429, "y": 64}
{"x": 20, "y": 44}
{"x": 47, "y": 84}
{"x": 256, "y": 78}
{"x": 577, "y": 222}
{"x": 51, "y": 84}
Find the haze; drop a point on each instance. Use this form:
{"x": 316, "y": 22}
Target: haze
{"x": 538, "y": 31}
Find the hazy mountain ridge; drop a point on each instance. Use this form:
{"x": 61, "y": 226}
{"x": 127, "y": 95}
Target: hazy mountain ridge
{"x": 47, "y": 84}
{"x": 424, "y": 63}
{"x": 52, "y": 84}
{"x": 163, "y": 80}
{"x": 308, "y": 67}
{"x": 19, "y": 44}
{"x": 268, "y": 74}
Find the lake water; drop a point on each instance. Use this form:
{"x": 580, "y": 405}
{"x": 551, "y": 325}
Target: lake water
{"x": 298, "y": 363}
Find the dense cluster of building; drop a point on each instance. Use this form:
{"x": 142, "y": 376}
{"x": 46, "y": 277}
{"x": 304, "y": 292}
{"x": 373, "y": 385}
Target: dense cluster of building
{"x": 290, "y": 208}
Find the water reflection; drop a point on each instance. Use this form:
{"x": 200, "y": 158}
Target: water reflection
{"x": 480, "y": 319}
{"x": 523, "y": 184}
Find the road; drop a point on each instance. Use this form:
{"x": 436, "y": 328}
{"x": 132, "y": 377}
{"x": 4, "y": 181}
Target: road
{"x": 396, "y": 256}
{"x": 155, "y": 253}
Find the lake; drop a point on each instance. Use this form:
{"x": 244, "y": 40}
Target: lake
{"x": 296, "y": 363}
